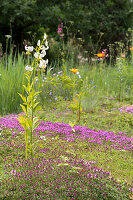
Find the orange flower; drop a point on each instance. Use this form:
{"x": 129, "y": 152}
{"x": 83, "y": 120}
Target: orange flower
{"x": 131, "y": 49}
{"x": 100, "y": 55}
{"x": 74, "y": 70}
{"x": 75, "y": 100}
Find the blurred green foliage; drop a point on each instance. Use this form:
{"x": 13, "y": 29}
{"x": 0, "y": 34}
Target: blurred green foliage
{"x": 94, "y": 24}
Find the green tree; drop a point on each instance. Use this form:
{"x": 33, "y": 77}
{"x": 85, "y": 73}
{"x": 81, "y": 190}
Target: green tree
{"x": 97, "y": 22}
{"x": 17, "y": 17}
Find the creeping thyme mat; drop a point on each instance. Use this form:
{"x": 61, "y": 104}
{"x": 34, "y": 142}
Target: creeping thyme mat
{"x": 66, "y": 132}
{"x": 63, "y": 166}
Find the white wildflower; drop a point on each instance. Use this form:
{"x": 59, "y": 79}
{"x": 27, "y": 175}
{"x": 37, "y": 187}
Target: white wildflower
{"x": 29, "y": 68}
{"x": 45, "y": 36}
{"x": 46, "y": 43}
{"x": 78, "y": 74}
{"x": 42, "y": 54}
{"x": 39, "y": 56}
{"x": 36, "y": 55}
{"x": 43, "y": 137}
{"x": 29, "y": 48}
{"x": 43, "y": 48}
{"x": 38, "y": 43}
{"x": 43, "y": 63}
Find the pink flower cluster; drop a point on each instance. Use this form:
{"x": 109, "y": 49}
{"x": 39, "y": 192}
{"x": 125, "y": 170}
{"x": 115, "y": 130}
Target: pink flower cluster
{"x": 93, "y": 137}
{"x": 49, "y": 176}
{"x": 105, "y": 52}
{"x": 127, "y": 108}
{"x": 74, "y": 179}
{"x": 60, "y": 29}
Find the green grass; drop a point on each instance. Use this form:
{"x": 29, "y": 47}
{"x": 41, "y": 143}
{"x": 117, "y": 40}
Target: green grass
{"x": 11, "y": 81}
{"x": 117, "y": 162}
{"x": 109, "y": 81}
{"x": 104, "y": 117}
{"x": 99, "y": 110}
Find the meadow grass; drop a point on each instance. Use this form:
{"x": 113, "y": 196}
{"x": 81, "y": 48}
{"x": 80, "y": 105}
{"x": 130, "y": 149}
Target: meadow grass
{"x": 106, "y": 117}
{"x": 52, "y": 145}
{"x": 115, "y": 81}
{"x": 90, "y": 158}
{"x": 57, "y": 152}
{"x": 11, "y": 81}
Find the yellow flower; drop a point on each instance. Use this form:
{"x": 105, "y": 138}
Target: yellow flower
{"x": 74, "y": 70}
{"x": 131, "y": 49}
{"x": 100, "y": 55}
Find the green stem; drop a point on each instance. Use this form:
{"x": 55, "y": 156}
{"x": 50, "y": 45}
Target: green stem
{"x": 31, "y": 148}
{"x": 26, "y": 145}
{"x": 79, "y": 114}
{"x": 79, "y": 109}
{"x": 120, "y": 90}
